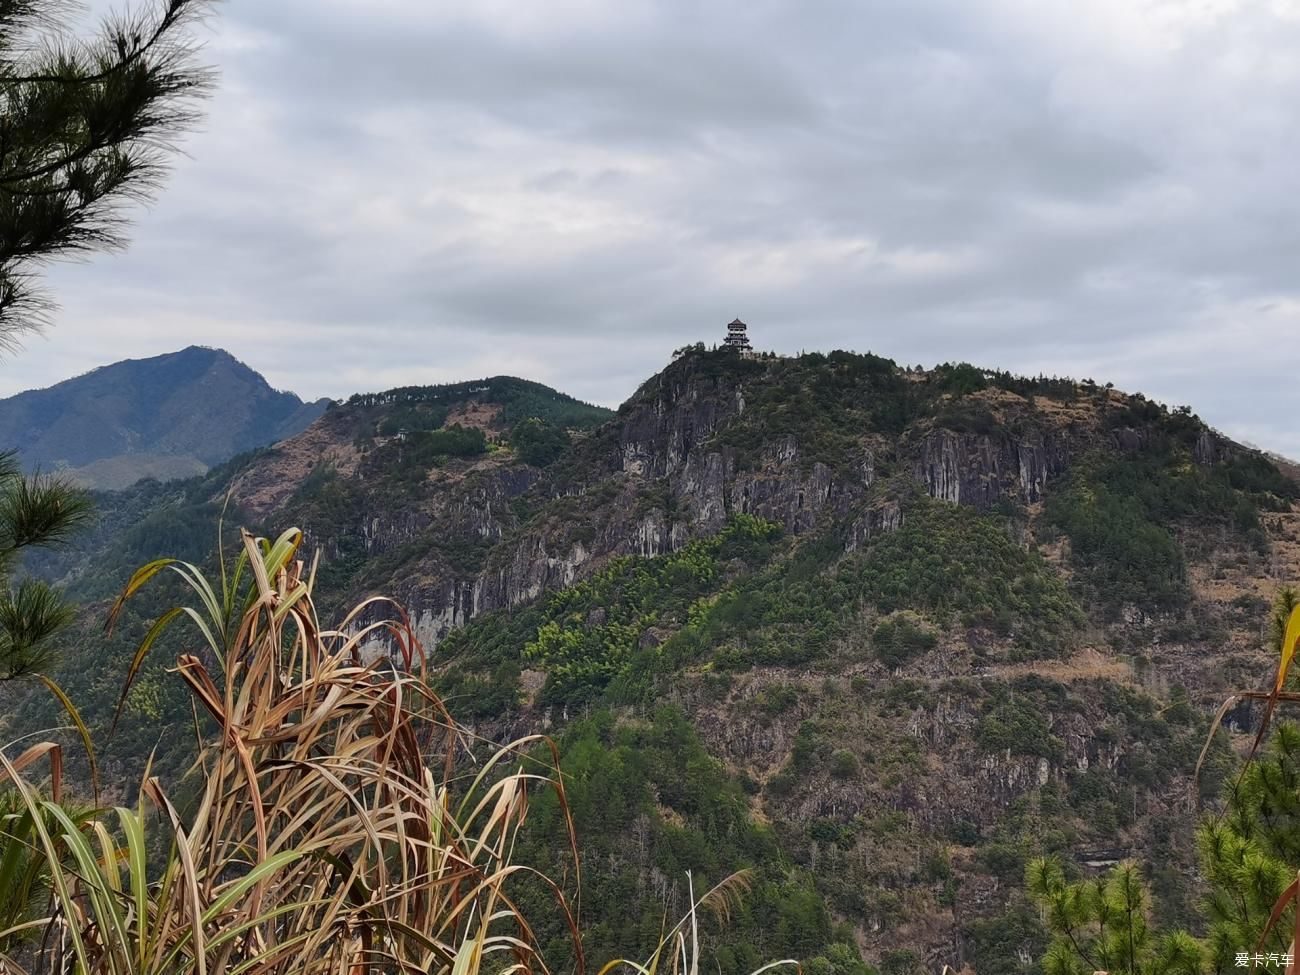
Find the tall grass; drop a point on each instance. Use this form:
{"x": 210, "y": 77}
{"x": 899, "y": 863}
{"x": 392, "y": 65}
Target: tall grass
{"x": 336, "y": 827}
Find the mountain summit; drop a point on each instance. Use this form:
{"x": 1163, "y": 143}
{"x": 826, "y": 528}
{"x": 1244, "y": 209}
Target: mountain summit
{"x": 168, "y": 416}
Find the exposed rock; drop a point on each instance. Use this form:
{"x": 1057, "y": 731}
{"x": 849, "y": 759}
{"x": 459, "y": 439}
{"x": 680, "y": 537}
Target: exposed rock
{"x": 979, "y": 469}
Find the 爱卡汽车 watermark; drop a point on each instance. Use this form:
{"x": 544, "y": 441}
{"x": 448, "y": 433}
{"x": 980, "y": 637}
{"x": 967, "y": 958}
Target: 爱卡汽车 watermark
{"x": 1280, "y": 961}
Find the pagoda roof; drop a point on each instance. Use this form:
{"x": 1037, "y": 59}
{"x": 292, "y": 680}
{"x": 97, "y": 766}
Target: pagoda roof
{"x": 735, "y": 322}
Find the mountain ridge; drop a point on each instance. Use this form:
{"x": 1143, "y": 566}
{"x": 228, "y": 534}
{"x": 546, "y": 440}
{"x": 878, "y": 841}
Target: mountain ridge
{"x": 166, "y": 416}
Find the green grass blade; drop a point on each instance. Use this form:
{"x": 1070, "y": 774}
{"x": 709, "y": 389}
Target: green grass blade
{"x": 200, "y": 586}
{"x": 250, "y": 879}
{"x": 74, "y": 716}
{"x": 137, "y": 661}
{"x": 63, "y": 895}
{"x": 138, "y": 579}
{"x": 137, "y": 860}
{"x": 101, "y": 900}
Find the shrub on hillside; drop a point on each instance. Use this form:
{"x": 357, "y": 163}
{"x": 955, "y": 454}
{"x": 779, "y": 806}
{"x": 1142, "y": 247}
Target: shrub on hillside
{"x": 538, "y": 443}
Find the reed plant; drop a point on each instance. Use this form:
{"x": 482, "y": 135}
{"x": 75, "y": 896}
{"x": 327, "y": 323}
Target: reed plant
{"x": 342, "y": 821}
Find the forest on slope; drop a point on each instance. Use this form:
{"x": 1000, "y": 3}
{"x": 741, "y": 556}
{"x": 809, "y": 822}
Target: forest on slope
{"x": 882, "y": 634}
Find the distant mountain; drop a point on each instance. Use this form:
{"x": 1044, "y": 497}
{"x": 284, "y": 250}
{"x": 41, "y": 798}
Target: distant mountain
{"x": 168, "y": 416}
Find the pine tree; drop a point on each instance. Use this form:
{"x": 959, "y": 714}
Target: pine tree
{"x": 34, "y": 511}
{"x": 86, "y": 127}
{"x": 1248, "y": 853}
{"x": 1102, "y": 925}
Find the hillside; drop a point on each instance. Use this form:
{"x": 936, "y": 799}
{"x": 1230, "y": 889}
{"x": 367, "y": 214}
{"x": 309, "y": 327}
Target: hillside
{"x": 881, "y": 634}
{"x": 169, "y": 416}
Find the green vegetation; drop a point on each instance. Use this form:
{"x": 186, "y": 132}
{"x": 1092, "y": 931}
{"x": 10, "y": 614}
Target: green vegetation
{"x": 1102, "y": 925}
{"x": 1018, "y": 725}
{"x": 826, "y": 402}
{"x": 519, "y": 399}
{"x": 962, "y": 379}
{"x": 966, "y": 416}
{"x": 899, "y": 640}
{"x": 955, "y": 565}
{"x": 784, "y": 614}
{"x": 144, "y": 522}
{"x": 430, "y": 448}
{"x": 652, "y": 804}
{"x": 1002, "y": 943}
{"x": 34, "y": 511}
{"x": 592, "y": 631}
{"x": 1260, "y": 478}
{"x": 1123, "y": 516}
{"x": 964, "y": 566}
{"x": 539, "y": 443}
{"x": 414, "y": 417}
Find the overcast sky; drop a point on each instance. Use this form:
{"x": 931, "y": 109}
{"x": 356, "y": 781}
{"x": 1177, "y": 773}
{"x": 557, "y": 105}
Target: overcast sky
{"x": 411, "y": 191}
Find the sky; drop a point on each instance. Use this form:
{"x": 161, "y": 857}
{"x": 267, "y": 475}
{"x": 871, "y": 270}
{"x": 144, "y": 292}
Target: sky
{"x": 388, "y": 192}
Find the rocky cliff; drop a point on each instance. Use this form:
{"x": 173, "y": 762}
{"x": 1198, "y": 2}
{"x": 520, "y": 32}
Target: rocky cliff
{"x": 917, "y": 626}
{"x": 682, "y": 456}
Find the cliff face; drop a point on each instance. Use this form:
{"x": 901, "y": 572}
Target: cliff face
{"x": 927, "y": 624}
{"x": 980, "y": 470}
{"x": 670, "y": 468}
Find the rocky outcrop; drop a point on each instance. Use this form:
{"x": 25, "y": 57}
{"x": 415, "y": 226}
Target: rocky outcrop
{"x": 267, "y": 485}
{"x": 885, "y": 516}
{"x": 979, "y": 469}
{"x": 672, "y": 416}
{"x": 701, "y": 490}
{"x": 668, "y": 443}
{"x": 473, "y": 508}
{"x": 438, "y": 609}
{"x": 669, "y": 468}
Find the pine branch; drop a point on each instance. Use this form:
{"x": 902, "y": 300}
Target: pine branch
{"x": 29, "y": 617}
{"x": 86, "y": 127}
{"x": 40, "y": 510}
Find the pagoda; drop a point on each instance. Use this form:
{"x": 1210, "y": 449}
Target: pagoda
{"x": 736, "y": 337}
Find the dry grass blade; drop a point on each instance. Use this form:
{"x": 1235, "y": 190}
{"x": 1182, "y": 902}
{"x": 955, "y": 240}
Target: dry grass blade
{"x": 12, "y": 770}
{"x": 1288, "y": 636}
{"x": 1290, "y": 640}
{"x": 1215, "y": 724}
{"x": 329, "y": 836}
{"x": 1283, "y": 902}
{"x": 332, "y": 833}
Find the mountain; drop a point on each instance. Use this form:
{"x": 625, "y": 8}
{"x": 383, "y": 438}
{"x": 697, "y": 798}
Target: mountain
{"x": 168, "y": 416}
{"x": 879, "y": 634}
